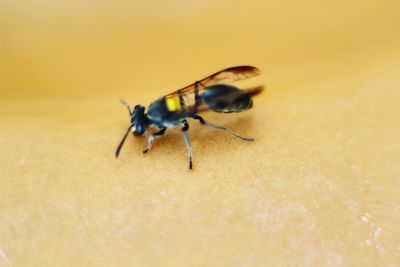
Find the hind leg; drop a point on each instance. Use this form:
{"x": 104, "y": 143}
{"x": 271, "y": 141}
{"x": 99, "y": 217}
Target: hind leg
{"x": 222, "y": 128}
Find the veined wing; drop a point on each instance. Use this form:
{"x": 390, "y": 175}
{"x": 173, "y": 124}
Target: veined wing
{"x": 228, "y": 75}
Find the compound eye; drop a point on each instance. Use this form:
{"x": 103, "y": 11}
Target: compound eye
{"x": 138, "y": 129}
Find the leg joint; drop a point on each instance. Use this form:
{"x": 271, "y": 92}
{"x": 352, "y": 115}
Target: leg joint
{"x": 185, "y": 126}
{"x": 201, "y": 120}
{"x": 160, "y": 132}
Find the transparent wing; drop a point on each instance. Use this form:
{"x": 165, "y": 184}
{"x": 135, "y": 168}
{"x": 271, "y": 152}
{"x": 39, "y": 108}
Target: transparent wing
{"x": 228, "y": 75}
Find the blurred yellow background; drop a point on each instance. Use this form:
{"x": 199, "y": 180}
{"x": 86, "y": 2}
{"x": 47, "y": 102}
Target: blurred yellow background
{"x": 320, "y": 186}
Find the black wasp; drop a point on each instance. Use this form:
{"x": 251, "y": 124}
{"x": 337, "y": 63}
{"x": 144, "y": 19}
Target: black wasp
{"x": 211, "y": 93}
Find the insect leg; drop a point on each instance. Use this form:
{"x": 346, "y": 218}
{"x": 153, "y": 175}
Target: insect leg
{"x": 151, "y": 138}
{"x": 218, "y": 127}
{"x": 187, "y": 141}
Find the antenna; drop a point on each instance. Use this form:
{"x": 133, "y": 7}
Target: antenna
{"x": 127, "y": 106}
{"x": 122, "y": 142}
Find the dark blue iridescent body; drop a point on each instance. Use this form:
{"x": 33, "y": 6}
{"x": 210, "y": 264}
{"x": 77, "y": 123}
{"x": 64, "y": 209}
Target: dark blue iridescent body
{"x": 176, "y": 108}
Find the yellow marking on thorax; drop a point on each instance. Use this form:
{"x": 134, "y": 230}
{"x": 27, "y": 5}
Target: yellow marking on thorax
{"x": 173, "y": 103}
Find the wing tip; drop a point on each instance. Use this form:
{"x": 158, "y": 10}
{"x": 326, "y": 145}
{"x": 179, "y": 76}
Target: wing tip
{"x": 253, "y": 91}
{"x": 253, "y": 71}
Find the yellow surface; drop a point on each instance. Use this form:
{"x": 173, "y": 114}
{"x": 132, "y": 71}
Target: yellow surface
{"x": 320, "y": 186}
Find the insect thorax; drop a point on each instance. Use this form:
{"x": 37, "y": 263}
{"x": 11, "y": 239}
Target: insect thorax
{"x": 166, "y": 112}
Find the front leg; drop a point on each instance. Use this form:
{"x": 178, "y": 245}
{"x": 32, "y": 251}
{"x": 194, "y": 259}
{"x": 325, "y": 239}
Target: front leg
{"x": 151, "y": 138}
{"x": 187, "y": 141}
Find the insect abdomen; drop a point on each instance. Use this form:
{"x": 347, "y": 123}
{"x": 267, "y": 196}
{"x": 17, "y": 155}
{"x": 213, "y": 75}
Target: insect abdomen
{"x": 226, "y": 98}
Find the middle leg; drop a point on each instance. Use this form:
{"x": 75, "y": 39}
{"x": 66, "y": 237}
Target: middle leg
{"x": 187, "y": 141}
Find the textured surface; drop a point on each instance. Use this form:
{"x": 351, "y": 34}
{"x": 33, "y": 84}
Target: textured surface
{"x": 320, "y": 186}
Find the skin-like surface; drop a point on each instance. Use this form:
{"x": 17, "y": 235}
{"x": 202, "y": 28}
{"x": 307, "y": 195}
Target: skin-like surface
{"x": 319, "y": 186}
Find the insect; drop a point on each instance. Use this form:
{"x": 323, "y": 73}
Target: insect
{"x": 174, "y": 109}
